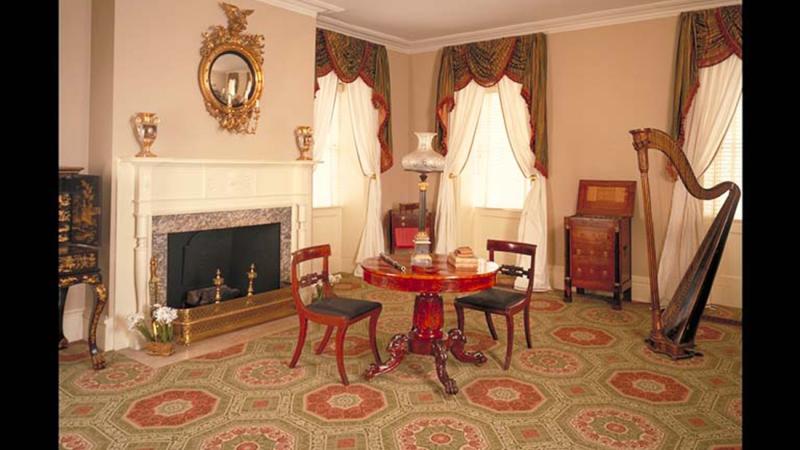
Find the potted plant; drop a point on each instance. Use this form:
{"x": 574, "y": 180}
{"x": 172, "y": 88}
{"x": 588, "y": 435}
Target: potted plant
{"x": 158, "y": 332}
{"x": 318, "y": 286}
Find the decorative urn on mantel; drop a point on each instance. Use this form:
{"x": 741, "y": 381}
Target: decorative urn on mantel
{"x": 423, "y": 160}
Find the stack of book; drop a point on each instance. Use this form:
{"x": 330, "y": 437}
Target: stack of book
{"x": 462, "y": 258}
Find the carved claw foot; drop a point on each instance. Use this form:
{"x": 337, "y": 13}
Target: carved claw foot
{"x": 397, "y": 349}
{"x": 440, "y": 355}
{"x": 456, "y": 341}
{"x": 98, "y": 362}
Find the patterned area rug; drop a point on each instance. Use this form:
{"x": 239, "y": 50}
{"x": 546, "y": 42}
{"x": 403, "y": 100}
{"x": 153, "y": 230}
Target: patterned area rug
{"x": 588, "y": 382}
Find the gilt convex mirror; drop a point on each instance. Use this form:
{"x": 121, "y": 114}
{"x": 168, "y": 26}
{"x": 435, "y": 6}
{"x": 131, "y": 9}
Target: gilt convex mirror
{"x": 230, "y": 74}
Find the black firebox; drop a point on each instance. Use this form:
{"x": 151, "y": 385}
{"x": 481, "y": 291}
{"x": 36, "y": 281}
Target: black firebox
{"x": 193, "y": 259}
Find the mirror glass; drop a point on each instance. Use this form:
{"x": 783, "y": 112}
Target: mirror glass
{"x": 231, "y": 79}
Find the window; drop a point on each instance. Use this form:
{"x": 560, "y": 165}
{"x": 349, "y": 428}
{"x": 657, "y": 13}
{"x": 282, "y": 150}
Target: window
{"x": 324, "y": 178}
{"x": 726, "y": 166}
{"x": 498, "y": 180}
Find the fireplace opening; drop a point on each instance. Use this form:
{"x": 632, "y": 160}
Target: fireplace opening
{"x": 193, "y": 258}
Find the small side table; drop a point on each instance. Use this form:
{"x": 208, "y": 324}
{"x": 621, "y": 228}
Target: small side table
{"x": 426, "y": 336}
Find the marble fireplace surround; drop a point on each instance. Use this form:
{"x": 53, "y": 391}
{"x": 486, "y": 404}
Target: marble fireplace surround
{"x": 178, "y": 223}
{"x": 155, "y": 196}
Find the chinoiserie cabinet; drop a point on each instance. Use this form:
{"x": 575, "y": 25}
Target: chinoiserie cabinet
{"x": 597, "y": 240}
{"x": 79, "y": 249}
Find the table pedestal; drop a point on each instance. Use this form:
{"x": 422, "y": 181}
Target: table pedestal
{"x": 426, "y": 338}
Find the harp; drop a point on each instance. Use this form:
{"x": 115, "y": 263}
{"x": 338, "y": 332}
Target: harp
{"x": 674, "y": 327}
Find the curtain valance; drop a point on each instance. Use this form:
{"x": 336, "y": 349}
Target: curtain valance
{"x": 522, "y": 58}
{"x": 351, "y": 58}
{"x": 706, "y": 38}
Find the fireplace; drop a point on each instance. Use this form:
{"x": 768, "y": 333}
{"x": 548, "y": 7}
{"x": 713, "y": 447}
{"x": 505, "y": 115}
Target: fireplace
{"x": 194, "y": 257}
{"x": 189, "y": 248}
{"x": 156, "y": 197}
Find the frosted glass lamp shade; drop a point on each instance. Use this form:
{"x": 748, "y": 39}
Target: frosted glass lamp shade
{"x": 424, "y": 159}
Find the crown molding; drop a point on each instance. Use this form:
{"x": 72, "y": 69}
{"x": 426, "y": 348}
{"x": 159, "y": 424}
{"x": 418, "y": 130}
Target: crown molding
{"x": 306, "y": 7}
{"x": 608, "y": 17}
{"x": 390, "y": 41}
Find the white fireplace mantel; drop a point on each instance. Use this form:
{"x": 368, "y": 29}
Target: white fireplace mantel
{"x": 147, "y": 187}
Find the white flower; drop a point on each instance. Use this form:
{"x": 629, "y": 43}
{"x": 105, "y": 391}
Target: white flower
{"x": 165, "y": 315}
{"x": 134, "y": 320}
{"x": 333, "y": 279}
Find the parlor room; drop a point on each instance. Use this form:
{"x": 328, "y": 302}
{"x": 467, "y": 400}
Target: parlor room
{"x": 354, "y": 224}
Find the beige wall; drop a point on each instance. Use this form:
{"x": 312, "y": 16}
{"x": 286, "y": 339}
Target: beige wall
{"x": 74, "y": 66}
{"x": 604, "y": 82}
{"x": 156, "y": 58}
{"x": 400, "y": 185}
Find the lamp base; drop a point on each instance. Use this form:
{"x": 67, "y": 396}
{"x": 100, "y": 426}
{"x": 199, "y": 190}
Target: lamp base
{"x": 422, "y": 259}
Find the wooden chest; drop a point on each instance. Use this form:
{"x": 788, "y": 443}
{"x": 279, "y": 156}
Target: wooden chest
{"x": 597, "y": 240}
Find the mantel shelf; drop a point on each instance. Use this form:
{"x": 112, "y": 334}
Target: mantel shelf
{"x": 158, "y": 161}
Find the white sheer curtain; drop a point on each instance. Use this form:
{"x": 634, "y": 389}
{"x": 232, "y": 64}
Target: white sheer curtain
{"x": 325, "y": 135}
{"x": 706, "y": 122}
{"x": 364, "y": 119}
{"x": 533, "y": 219}
{"x": 463, "y": 122}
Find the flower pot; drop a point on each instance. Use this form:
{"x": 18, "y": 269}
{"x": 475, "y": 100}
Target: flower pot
{"x": 159, "y": 348}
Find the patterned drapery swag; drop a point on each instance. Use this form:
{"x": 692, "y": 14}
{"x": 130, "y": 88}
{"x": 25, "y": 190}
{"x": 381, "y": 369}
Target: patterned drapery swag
{"x": 351, "y": 58}
{"x": 522, "y": 58}
{"x": 705, "y": 38}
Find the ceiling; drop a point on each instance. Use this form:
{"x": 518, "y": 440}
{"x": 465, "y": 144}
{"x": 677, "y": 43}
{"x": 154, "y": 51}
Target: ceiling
{"x": 415, "y": 20}
{"x": 419, "y": 25}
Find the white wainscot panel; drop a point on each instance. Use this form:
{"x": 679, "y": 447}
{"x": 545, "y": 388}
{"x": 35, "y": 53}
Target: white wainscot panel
{"x": 327, "y": 229}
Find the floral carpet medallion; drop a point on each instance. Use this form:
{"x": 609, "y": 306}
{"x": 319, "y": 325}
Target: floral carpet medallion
{"x": 267, "y": 372}
{"x": 608, "y": 316}
{"x": 588, "y": 382}
{"x": 550, "y": 362}
{"x": 503, "y": 395}
{"x": 440, "y": 433}
{"x": 119, "y": 377}
{"x": 336, "y": 402}
{"x": 171, "y": 408}
{"x": 616, "y": 428}
{"x": 583, "y": 336}
{"x": 649, "y": 386}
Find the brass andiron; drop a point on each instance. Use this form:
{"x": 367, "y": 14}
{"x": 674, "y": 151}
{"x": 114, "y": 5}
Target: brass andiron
{"x": 251, "y": 276}
{"x": 304, "y": 138}
{"x": 218, "y": 280}
{"x": 153, "y": 281}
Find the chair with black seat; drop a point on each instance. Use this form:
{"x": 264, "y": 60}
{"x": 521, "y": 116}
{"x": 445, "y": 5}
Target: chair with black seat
{"x": 330, "y": 310}
{"x": 502, "y": 302}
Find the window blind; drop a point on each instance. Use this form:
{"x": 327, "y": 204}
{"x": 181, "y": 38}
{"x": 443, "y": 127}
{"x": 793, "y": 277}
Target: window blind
{"x": 499, "y": 180}
{"x": 727, "y": 165}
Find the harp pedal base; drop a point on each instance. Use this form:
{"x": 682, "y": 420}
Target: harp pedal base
{"x": 675, "y": 352}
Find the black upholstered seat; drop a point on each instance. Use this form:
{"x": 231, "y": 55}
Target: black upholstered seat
{"x": 492, "y": 298}
{"x": 331, "y": 311}
{"x": 502, "y": 302}
{"x": 344, "y": 307}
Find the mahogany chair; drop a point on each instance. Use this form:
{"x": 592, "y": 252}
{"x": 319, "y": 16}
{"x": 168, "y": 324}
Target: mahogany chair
{"x": 502, "y": 302}
{"x": 330, "y": 310}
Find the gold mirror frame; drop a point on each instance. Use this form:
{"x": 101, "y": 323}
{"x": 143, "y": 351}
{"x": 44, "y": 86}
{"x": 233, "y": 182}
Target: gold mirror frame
{"x": 220, "y": 40}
